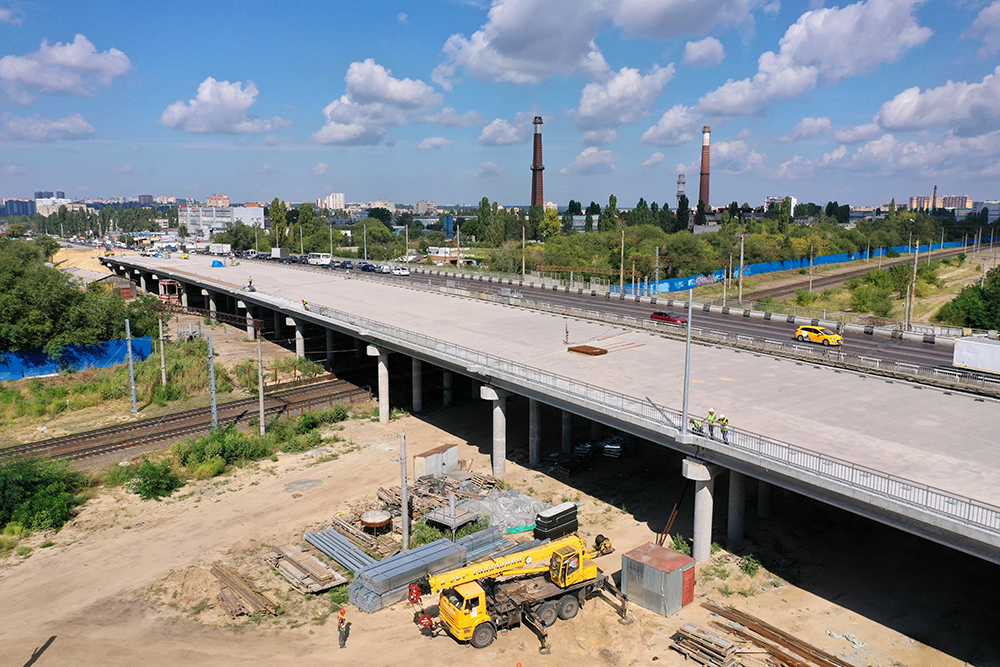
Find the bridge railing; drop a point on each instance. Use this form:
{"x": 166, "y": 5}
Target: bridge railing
{"x": 668, "y": 421}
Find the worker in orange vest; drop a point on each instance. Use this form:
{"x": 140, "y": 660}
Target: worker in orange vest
{"x": 342, "y": 628}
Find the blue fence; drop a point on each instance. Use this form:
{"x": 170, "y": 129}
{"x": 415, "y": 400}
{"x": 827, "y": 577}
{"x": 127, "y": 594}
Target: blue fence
{"x": 32, "y": 363}
{"x": 689, "y": 282}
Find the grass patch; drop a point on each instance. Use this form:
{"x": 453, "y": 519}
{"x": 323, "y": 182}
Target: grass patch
{"x": 749, "y": 566}
{"x": 38, "y": 494}
{"x": 680, "y": 544}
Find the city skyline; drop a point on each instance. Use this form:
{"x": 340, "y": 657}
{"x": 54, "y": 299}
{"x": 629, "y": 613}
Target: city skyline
{"x": 858, "y": 102}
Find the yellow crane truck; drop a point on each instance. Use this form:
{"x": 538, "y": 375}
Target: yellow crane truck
{"x": 536, "y": 586}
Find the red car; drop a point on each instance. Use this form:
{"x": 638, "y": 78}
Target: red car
{"x": 673, "y": 318}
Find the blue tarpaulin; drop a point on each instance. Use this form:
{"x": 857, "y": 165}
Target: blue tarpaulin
{"x": 216, "y": 264}
{"x": 32, "y": 363}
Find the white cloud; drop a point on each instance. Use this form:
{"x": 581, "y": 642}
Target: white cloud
{"x": 266, "y": 169}
{"x": 502, "y": 132}
{"x": 601, "y": 137}
{"x": 666, "y": 19}
{"x": 489, "y": 170}
{"x": 75, "y": 68}
{"x": 707, "y": 52}
{"x": 654, "y": 159}
{"x": 735, "y": 157}
{"x": 824, "y": 46}
{"x": 39, "y": 129}
{"x": 809, "y": 127}
{"x": 220, "y": 108}
{"x": 448, "y": 118}
{"x": 772, "y": 7}
{"x": 134, "y": 149}
{"x": 675, "y": 127}
{"x": 403, "y": 18}
{"x": 853, "y": 135}
{"x": 320, "y": 168}
{"x": 987, "y": 27}
{"x": 7, "y": 16}
{"x": 374, "y": 102}
{"x": 13, "y": 170}
{"x": 434, "y": 143}
{"x": 592, "y": 161}
{"x": 626, "y": 97}
{"x": 124, "y": 169}
{"x": 970, "y": 108}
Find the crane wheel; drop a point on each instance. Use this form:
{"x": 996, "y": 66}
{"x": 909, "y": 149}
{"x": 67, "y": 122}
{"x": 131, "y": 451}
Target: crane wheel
{"x": 547, "y": 613}
{"x": 568, "y": 607}
{"x": 483, "y": 635}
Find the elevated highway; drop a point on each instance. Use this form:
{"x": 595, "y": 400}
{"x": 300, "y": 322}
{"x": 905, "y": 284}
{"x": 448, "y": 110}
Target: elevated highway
{"x": 915, "y": 457}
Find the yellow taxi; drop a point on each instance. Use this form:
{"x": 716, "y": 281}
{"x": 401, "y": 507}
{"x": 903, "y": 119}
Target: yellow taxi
{"x": 815, "y": 334}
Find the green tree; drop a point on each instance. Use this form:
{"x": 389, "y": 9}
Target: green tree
{"x": 574, "y": 208}
{"x": 382, "y": 214}
{"x": 785, "y": 215}
{"x": 549, "y": 226}
{"x": 182, "y": 232}
{"x": 588, "y": 223}
{"x": 699, "y": 214}
{"x": 15, "y": 231}
{"x": 536, "y": 214}
{"x": 641, "y": 214}
{"x": 683, "y": 222}
{"x": 609, "y": 216}
{"x": 279, "y": 229}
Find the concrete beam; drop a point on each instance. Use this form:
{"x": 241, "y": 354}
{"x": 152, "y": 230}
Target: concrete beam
{"x": 704, "y": 491}
{"x": 383, "y": 381}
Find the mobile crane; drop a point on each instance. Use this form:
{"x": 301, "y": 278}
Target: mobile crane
{"x": 536, "y": 586}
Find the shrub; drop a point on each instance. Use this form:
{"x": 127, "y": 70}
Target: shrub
{"x": 681, "y": 544}
{"x": 163, "y": 394}
{"x": 338, "y": 596}
{"x": 152, "y": 481}
{"x": 749, "y": 566}
{"x": 38, "y": 494}
{"x": 804, "y": 297}
{"x": 116, "y": 475}
{"x": 230, "y": 445}
{"x": 890, "y": 253}
{"x": 423, "y": 533}
{"x": 15, "y": 529}
{"x": 210, "y": 468}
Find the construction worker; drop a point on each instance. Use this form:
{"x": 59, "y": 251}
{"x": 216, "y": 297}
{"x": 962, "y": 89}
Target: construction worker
{"x": 724, "y": 427}
{"x": 710, "y": 420}
{"x": 696, "y": 426}
{"x": 342, "y": 628}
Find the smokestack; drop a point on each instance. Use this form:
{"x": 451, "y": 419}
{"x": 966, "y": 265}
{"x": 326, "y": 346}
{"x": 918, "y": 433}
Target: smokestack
{"x": 537, "y": 197}
{"x": 680, "y": 188}
{"x": 706, "y": 133}
{"x": 934, "y": 200}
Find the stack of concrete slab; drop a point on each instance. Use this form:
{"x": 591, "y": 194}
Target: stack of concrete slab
{"x": 339, "y": 548}
{"x": 385, "y": 582}
{"x": 484, "y": 543}
{"x": 556, "y": 521}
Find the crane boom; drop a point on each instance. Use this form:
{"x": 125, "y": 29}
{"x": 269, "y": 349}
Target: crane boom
{"x": 523, "y": 562}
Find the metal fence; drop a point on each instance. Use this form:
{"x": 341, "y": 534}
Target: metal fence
{"x": 667, "y": 421}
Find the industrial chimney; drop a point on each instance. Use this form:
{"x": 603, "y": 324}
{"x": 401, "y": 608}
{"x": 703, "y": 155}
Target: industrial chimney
{"x": 536, "y": 166}
{"x": 680, "y": 188}
{"x": 934, "y": 199}
{"x": 706, "y": 133}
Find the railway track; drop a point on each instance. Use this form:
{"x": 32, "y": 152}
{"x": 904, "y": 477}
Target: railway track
{"x": 839, "y": 279}
{"x": 179, "y": 424}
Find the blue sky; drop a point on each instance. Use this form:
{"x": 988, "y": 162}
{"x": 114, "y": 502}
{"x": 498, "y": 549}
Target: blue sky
{"x": 433, "y": 100}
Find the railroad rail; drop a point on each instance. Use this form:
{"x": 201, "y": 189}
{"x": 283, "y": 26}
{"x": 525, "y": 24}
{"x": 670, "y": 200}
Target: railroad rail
{"x": 303, "y": 398}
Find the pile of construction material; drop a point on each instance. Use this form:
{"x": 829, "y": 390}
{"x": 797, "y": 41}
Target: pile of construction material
{"x": 612, "y": 446}
{"x": 483, "y": 543}
{"x": 386, "y": 582}
{"x": 339, "y": 548}
{"x": 305, "y": 572}
{"x": 507, "y": 510}
{"x": 704, "y": 646}
{"x": 240, "y": 597}
{"x": 554, "y": 522}
{"x": 430, "y": 492}
{"x": 783, "y": 648}
{"x": 349, "y": 525}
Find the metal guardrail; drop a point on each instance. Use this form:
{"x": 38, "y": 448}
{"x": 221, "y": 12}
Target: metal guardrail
{"x": 668, "y": 421}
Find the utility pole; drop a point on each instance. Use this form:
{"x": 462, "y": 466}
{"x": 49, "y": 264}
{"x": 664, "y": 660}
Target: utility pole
{"x": 687, "y": 365}
{"x": 621, "y": 267}
{"x": 331, "y": 237}
{"x": 260, "y": 379}
{"x": 131, "y": 367}
{"x": 741, "y": 269}
{"x": 403, "y": 496}
{"x": 880, "y": 253}
{"x": 913, "y": 286}
{"x": 633, "y": 276}
{"x": 301, "y": 247}
{"x": 364, "y": 229}
{"x": 522, "y": 252}
{"x": 868, "y": 251}
{"x": 810, "y": 268}
{"x": 163, "y": 355}
{"x": 656, "y": 288}
{"x": 406, "y": 253}
{"x": 211, "y": 385}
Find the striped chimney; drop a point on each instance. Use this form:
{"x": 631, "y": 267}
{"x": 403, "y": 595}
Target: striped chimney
{"x": 706, "y": 133}
{"x": 536, "y": 166}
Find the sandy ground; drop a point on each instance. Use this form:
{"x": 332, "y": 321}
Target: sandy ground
{"x": 82, "y": 257}
{"x": 127, "y": 582}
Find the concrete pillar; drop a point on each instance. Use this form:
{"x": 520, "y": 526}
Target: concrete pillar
{"x": 279, "y": 318}
{"x": 448, "y": 380}
{"x": 329, "y": 350}
{"x": 567, "y": 432}
{"x": 383, "y": 382}
{"x": 211, "y": 299}
{"x": 477, "y": 386}
{"x": 595, "y": 431}
{"x": 765, "y": 500}
{"x": 737, "y": 505}
{"x": 142, "y": 281}
{"x": 300, "y": 339}
{"x": 251, "y": 333}
{"x": 418, "y": 385}
{"x": 499, "y": 398}
{"x": 359, "y": 345}
{"x": 704, "y": 489}
{"x": 184, "y": 294}
{"x": 534, "y": 435}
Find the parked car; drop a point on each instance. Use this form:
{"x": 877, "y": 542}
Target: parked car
{"x": 673, "y": 318}
{"x": 818, "y": 335}
{"x": 347, "y": 264}
{"x": 400, "y": 271}
{"x": 385, "y": 269}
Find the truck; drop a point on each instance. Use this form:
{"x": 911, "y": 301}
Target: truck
{"x": 536, "y": 586}
{"x": 220, "y": 248}
{"x": 978, "y": 354}
{"x": 279, "y": 253}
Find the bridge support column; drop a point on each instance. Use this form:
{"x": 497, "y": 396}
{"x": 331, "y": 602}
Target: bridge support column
{"x": 737, "y": 505}
{"x": 210, "y": 297}
{"x": 448, "y": 381}
{"x": 704, "y": 490}
{"x": 383, "y": 382}
{"x": 418, "y": 385}
{"x": 499, "y": 398}
{"x": 765, "y": 500}
{"x": 300, "y": 338}
{"x": 567, "y": 432}
{"x": 142, "y": 281}
{"x": 184, "y": 294}
{"x": 595, "y": 430}
{"x": 251, "y": 334}
{"x": 329, "y": 350}
{"x": 359, "y": 345}
{"x": 278, "y": 322}
{"x": 534, "y": 434}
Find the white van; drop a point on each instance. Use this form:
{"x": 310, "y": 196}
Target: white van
{"x": 320, "y": 258}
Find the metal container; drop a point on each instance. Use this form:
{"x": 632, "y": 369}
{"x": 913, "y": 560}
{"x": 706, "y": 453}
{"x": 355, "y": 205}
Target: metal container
{"x": 658, "y": 579}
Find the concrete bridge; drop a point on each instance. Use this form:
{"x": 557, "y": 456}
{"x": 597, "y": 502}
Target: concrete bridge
{"x": 918, "y": 458}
